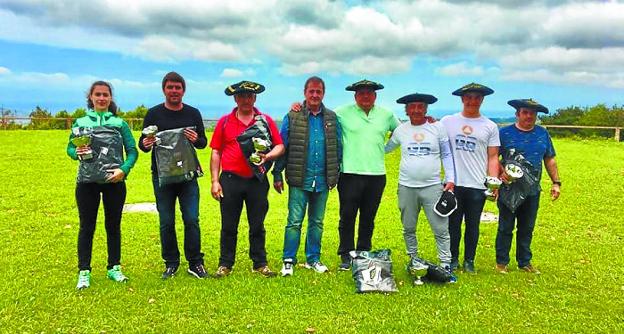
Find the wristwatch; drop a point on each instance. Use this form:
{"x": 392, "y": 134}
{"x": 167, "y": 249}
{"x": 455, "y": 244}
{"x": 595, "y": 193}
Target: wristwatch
{"x": 558, "y": 182}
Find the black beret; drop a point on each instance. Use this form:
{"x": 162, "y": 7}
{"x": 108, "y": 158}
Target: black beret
{"x": 364, "y": 84}
{"x": 244, "y": 87}
{"x": 528, "y": 103}
{"x": 407, "y": 99}
{"x": 474, "y": 88}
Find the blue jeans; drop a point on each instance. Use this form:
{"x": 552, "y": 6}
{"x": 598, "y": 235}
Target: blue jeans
{"x": 470, "y": 202}
{"x": 525, "y": 215}
{"x": 298, "y": 200}
{"x": 187, "y": 194}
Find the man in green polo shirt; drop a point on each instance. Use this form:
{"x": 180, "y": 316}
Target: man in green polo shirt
{"x": 363, "y": 173}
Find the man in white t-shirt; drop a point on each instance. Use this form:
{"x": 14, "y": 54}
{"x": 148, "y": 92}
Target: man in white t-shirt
{"x": 424, "y": 147}
{"x": 474, "y": 143}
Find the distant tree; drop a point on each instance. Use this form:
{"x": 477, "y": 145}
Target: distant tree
{"x": 6, "y": 120}
{"x": 40, "y": 119}
{"x": 135, "y": 117}
{"x": 566, "y": 116}
{"x": 79, "y": 112}
{"x": 62, "y": 120}
{"x": 598, "y": 115}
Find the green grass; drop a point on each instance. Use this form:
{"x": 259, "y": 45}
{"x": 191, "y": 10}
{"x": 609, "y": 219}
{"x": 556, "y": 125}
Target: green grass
{"x": 577, "y": 245}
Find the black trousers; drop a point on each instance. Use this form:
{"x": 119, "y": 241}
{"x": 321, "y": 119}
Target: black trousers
{"x": 252, "y": 192}
{"x": 358, "y": 193}
{"x": 470, "y": 202}
{"x": 113, "y": 196}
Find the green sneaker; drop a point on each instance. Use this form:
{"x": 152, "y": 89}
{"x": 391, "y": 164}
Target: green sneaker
{"x": 84, "y": 279}
{"x": 116, "y": 275}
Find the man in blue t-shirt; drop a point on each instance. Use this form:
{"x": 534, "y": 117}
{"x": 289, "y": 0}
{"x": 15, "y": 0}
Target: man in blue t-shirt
{"x": 534, "y": 144}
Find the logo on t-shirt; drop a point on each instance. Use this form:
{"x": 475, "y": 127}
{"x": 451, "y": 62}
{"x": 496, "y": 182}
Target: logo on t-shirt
{"x": 467, "y": 130}
{"x": 419, "y": 137}
{"x": 419, "y": 149}
{"x": 465, "y": 143}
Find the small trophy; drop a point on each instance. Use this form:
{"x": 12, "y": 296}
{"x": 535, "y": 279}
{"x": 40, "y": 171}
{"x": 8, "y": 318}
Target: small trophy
{"x": 260, "y": 146}
{"x": 513, "y": 172}
{"x": 492, "y": 183}
{"x": 82, "y": 137}
{"x": 150, "y": 132}
{"x": 418, "y": 270}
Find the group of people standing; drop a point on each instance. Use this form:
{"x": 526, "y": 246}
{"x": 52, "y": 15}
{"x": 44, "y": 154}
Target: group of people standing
{"x": 318, "y": 149}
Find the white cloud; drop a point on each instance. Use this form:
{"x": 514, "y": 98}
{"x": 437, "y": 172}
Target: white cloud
{"x": 236, "y": 73}
{"x": 461, "y": 69}
{"x": 231, "y": 73}
{"x": 4, "y": 71}
{"x": 374, "y": 37}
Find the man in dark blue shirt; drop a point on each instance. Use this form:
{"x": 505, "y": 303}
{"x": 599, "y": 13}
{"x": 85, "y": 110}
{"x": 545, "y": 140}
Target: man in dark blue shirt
{"x": 312, "y": 138}
{"x": 534, "y": 144}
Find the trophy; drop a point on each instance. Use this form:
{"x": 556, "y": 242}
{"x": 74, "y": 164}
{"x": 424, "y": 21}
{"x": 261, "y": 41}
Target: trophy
{"x": 260, "y": 146}
{"x": 417, "y": 269}
{"x": 150, "y": 132}
{"x": 82, "y": 137}
{"x": 513, "y": 172}
{"x": 492, "y": 183}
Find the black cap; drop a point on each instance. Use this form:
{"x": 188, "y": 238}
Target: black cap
{"x": 416, "y": 97}
{"x": 446, "y": 204}
{"x": 364, "y": 84}
{"x": 474, "y": 88}
{"x": 528, "y": 103}
{"x": 244, "y": 87}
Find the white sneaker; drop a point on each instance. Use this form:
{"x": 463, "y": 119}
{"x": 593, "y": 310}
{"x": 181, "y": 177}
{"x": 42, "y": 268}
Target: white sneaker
{"x": 317, "y": 266}
{"x": 287, "y": 269}
{"x": 84, "y": 279}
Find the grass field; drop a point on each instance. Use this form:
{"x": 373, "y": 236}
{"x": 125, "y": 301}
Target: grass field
{"x": 578, "y": 245}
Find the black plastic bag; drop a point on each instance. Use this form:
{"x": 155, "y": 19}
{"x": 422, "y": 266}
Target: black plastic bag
{"x": 513, "y": 195}
{"x": 372, "y": 272}
{"x": 176, "y": 159}
{"x": 107, "y": 147}
{"x": 429, "y": 272}
{"x": 259, "y": 130}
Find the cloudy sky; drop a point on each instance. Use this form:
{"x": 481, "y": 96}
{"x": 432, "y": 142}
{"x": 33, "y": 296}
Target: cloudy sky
{"x": 561, "y": 53}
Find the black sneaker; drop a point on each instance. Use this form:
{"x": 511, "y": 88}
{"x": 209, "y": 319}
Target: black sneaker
{"x": 198, "y": 271}
{"x": 169, "y": 272}
{"x": 345, "y": 262}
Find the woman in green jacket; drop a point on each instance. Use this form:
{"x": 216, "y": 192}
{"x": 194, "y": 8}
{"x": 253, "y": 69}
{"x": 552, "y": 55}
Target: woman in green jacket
{"x": 101, "y": 115}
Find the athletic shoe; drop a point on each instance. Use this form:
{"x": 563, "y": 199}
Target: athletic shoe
{"x": 169, "y": 272}
{"x": 416, "y": 267}
{"x": 454, "y": 264}
{"x": 469, "y": 267}
{"x": 530, "y": 269}
{"x": 198, "y": 271}
{"x": 502, "y": 268}
{"x": 264, "y": 271}
{"x": 84, "y": 279}
{"x": 317, "y": 266}
{"x": 287, "y": 269}
{"x": 223, "y": 271}
{"x": 453, "y": 279}
{"x": 115, "y": 274}
{"x": 345, "y": 263}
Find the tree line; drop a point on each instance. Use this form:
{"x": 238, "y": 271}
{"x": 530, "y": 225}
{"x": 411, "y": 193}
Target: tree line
{"x": 42, "y": 119}
{"x": 598, "y": 115}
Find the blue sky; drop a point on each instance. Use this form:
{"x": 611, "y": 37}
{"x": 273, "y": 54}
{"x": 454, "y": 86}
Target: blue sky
{"x": 561, "y": 53}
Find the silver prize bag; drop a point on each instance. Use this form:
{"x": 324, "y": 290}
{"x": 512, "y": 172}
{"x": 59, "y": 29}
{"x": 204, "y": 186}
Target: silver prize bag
{"x": 176, "y": 158}
{"x": 106, "y": 154}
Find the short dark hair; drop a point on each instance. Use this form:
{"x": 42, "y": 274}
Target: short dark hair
{"x": 314, "y": 79}
{"x": 112, "y": 107}
{"x": 174, "y": 77}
